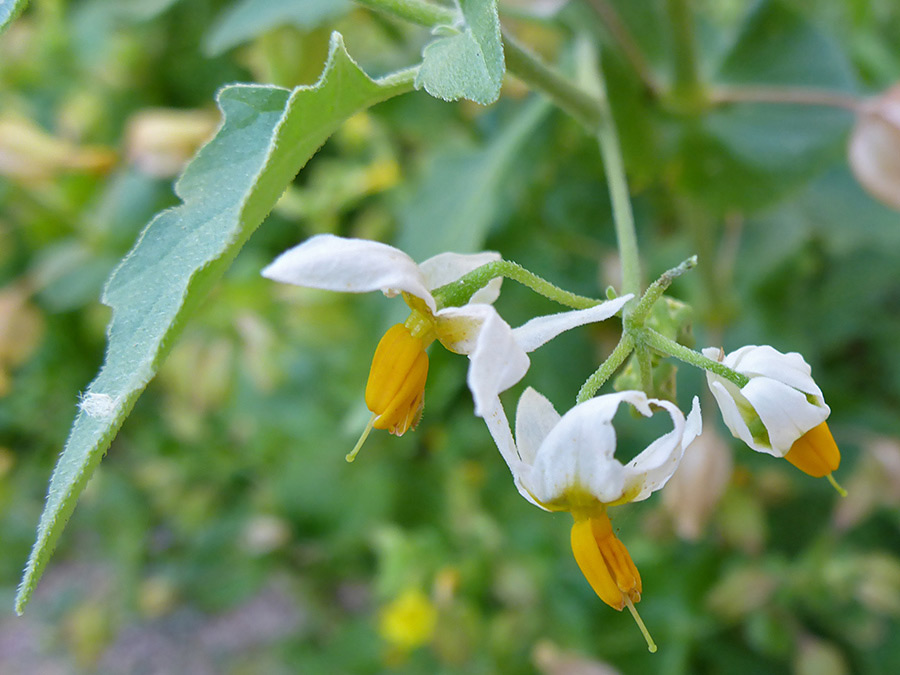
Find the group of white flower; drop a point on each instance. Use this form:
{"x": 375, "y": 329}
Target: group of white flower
{"x": 558, "y": 462}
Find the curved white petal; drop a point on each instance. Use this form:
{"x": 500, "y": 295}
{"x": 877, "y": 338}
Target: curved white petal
{"x": 535, "y": 417}
{"x": 542, "y": 329}
{"x": 577, "y": 454}
{"x": 726, "y": 393}
{"x": 497, "y": 362}
{"x": 458, "y": 328}
{"x": 785, "y": 412}
{"x": 446, "y": 267}
{"x": 791, "y": 368}
{"x": 498, "y": 426}
{"x": 781, "y": 393}
{"x": 654, "y": 466}
{"x": 350, "y": 266}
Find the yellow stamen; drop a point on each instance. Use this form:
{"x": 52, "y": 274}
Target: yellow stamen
{"x": 815, "y": 452}
{"x": 396, "y": 388}
{"x": 607, "y": 566}
{"x": 362, "y": 439}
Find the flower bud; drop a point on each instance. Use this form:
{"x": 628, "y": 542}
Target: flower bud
{"x": 780, "y": 411}
{"x": 874, "y": 150}
{"x": 694, "y": 491}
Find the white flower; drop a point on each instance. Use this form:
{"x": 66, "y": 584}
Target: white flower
{"x": 780, "y": 411}
{"x": 396, "y": 383}
{"x": 567, "y": 462}
{"x": 779, "y": 404}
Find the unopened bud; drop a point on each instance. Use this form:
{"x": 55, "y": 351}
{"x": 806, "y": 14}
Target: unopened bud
{"x": 874, "y": 149}
{"x": 694, "y": 491}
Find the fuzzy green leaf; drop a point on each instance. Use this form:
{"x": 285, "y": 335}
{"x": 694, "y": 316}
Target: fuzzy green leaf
{"x": 467, "y": 61}
{"x": 267, "y": 135}
{"x": 9, "y": 10}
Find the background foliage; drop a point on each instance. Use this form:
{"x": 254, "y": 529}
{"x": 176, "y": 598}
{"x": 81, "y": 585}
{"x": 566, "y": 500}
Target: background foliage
{"x": 225, "y": 533}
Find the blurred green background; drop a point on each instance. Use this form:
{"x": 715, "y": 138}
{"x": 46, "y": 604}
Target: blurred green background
{"x": 225, "y": 533}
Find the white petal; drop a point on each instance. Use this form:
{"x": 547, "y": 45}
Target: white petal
{"x": 498, "y": 426}
{"x": 350, "y": 266}
{"x": 458, "y": 328}
{"x": 496, "y": 362}
{"x": 653, "y": 467}
{"x": 693, "y": 426}
{"x": 785, "y": 412}
{"x": 446, "y": 267}
{"x": 578, "y": 452}
{"x": 542, "y": 329}
{"x": 725, "y": 393}
{"x": 766, "y": 361}
{"x": 535, "y": 417}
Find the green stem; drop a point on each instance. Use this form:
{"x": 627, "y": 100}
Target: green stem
{"x": 550, "y": 82}
{"x": 787, "y": 96}
{"x": 687, "y": 81}
{"x": 657, "y": 288}
{"x": 645, "y": 366}
{"x": 630, "y": 47}
{"x": 459, "y": 292}
{"x": 591, "y": 77}
{"x": 669, "y": 347}
{"x": 606, "y": 369}
{"x": 416, "y": 11}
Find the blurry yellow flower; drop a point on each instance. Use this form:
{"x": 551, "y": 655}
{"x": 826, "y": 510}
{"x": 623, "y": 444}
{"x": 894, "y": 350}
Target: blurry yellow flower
{"x": 160, "y": 141}
{"x": 408, "y": 621}
{"x": 21, "y": 327}
{"x": 381, "y": 175}
{"x": 27, "y": 152}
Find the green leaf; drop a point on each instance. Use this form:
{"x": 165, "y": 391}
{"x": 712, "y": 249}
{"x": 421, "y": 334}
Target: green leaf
{"x": 9, "y": 10}
{"x": 467, "y": 62}
{"x": 456, "y": 203}
{"x": 246, "y": 19}
{"x": 750, "y": 155}
{"x": 267, "y": 135}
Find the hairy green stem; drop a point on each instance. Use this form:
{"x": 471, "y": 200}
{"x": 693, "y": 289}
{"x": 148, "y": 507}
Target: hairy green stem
{"x": 657, "y": 288}
{"x": 645, "y": 366}
{"x": 459, "y": 292}
{"x": 606, "y": 369}
{"x": 668, "y": 347}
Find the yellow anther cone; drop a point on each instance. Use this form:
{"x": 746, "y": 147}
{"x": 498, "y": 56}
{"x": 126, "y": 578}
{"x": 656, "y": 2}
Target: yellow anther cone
{"x": 396, "y": 388}
{"x": 608, "y": 567}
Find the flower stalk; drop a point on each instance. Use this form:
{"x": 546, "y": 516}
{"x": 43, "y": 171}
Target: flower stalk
{"x": 459, "y": 292}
